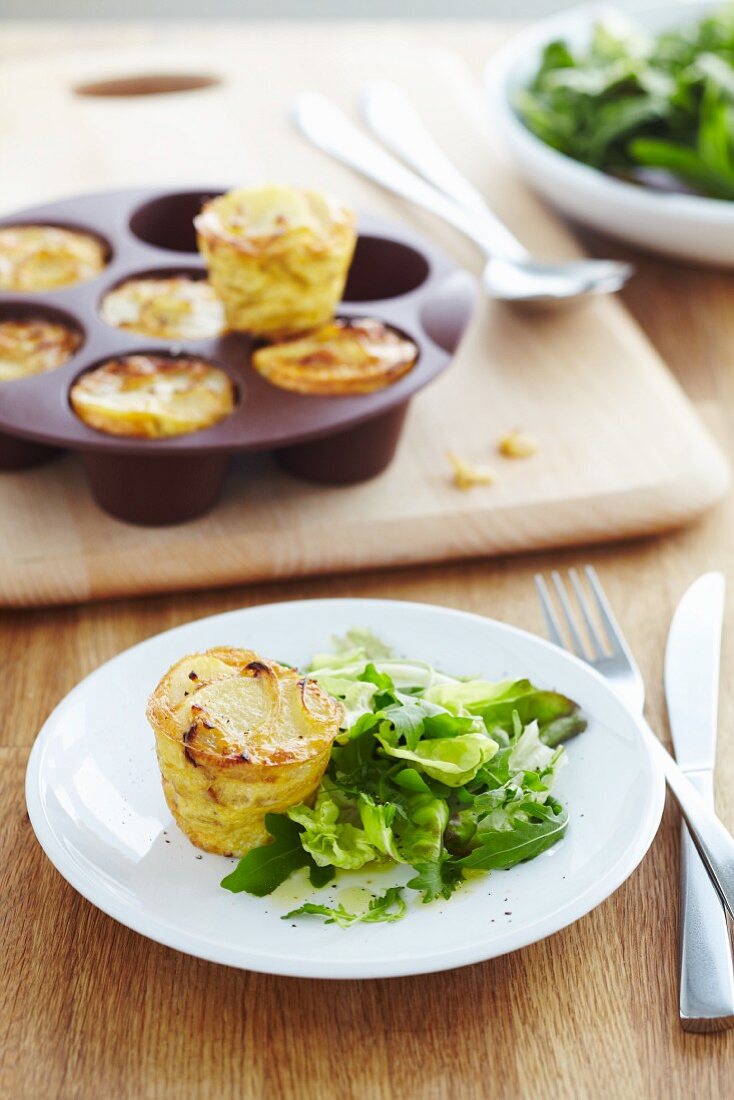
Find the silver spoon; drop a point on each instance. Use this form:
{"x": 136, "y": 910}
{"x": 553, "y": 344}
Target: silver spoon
{"x": 511, "y": 274}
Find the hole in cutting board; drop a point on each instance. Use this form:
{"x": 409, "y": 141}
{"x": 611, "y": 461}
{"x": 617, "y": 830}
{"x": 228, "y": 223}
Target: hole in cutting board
{"x": 142, "y": 84}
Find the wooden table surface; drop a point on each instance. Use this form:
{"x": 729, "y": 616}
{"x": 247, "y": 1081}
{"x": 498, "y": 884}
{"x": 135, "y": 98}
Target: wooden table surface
{"x": 89, "y": 1009}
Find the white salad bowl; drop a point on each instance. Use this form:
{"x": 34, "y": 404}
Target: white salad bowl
{"x": 685, "y": 226}
{"x": 94, "y": 798}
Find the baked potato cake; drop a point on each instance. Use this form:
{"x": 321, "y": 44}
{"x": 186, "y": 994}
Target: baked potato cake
{"x": 175, "y": 307}
{"x": 153, "y": 396}
{"x": 33, "y": 346}
{"x": 341, "y": 357}
{"x": 45, "y": 257}
{"x": 278, "y": 256}
{"x": 237, "y": 737}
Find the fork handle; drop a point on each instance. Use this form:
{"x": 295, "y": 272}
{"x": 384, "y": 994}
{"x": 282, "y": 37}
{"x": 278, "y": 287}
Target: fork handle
{"x": 714, "y": 842}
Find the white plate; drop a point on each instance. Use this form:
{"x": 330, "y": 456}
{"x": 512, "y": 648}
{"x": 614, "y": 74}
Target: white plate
{"x": 686, "y": 226}
{"x": 95, "y": 802}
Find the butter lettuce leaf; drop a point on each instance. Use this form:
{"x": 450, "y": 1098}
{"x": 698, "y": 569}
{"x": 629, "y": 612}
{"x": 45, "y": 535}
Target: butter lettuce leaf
{"x": 498, "y": 703}
{"x": 410, "y": 830}
{"x": 377, "y": 821}
{"x": 328, "y": 837}
{"x": 452, "y": 760}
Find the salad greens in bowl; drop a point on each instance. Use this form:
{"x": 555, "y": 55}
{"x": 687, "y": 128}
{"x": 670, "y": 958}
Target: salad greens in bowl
{"x": 630, "y": 101}
{"x": 446, "y": 776}
{"x": 623, "y": 117}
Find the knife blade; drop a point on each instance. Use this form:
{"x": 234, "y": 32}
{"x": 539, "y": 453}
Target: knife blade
{"x": 692, "y": 672}
{"x": 692, "y": 660}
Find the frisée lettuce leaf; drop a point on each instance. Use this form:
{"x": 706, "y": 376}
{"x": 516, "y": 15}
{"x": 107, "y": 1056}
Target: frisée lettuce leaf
{"x": 387, "y": 908}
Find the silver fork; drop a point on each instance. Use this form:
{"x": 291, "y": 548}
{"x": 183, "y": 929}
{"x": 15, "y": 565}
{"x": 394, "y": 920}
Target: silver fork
{"x": 615, "y": 662}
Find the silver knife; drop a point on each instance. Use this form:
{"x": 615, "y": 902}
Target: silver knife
{"x": 692, "y": 693}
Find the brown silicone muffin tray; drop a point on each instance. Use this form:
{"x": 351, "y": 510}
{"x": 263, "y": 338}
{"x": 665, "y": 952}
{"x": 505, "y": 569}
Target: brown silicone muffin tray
{"x": 396, "y": 276}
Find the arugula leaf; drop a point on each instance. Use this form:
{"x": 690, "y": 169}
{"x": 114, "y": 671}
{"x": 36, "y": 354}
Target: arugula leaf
{"x": 265, "y": 868}
{"x": 406, "y": 721}
{"x": 389, "y": 907}
{"x": 321, "y": 876}
{"x": 356, "y": 754}
{"x": 437, "y": 879}
{"x": 519, "y": 833}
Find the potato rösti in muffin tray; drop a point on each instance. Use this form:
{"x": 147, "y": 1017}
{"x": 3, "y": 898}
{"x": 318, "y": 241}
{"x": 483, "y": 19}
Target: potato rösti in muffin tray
{"x": 44, "y": 257}
{"x": 34, "y": 345}
{"x": 175, "y": 307}
{"x": 277, "y": 256}
{"x": 295, "y": 325}
{"x": 342, "y": 357}
{"x": 152, "y": 397}
{"x": 238, "y": 737}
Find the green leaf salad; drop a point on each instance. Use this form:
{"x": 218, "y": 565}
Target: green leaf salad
{"x": 446, "y": 776}
{"x": 658, "y": 109}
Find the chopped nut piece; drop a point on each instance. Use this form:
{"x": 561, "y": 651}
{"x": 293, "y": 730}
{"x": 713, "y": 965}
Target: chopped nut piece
{"x": 468, "y": 474}
{"x": 517, "y": 444}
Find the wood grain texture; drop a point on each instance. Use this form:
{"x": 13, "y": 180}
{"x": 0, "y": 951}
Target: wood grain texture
{"x": 88, "y": 1009}
{"x": 621, "y": 453}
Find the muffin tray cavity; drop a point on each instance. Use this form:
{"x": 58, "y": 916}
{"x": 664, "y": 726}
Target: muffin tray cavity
{"x": 397, "y": 277}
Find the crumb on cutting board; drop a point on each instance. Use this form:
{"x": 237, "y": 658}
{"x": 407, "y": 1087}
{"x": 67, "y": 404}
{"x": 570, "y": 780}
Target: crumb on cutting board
{"x": 467, "y": 475}
{"x": 517, "y": 444}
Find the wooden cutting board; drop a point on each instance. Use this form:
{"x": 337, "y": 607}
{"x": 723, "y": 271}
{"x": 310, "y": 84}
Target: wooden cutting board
{"x": 622, "y": 452}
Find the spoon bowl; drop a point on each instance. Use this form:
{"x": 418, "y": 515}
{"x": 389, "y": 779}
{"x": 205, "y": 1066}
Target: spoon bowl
{"x": 535, "y": 282}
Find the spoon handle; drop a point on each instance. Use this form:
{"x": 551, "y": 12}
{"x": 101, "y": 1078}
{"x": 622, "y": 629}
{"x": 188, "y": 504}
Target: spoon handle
{"x": 390, "y": 115}
{"x": 331, "y": 131}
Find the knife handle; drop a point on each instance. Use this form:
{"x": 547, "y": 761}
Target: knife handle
{"x": 706, "y": 970}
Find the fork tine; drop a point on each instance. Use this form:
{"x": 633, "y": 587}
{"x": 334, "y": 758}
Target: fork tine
{"x": 546, "y": 604}
{"x": 591, "y": 629}
{"x": 611, "y": 626}
{"x": 578, "y": 645}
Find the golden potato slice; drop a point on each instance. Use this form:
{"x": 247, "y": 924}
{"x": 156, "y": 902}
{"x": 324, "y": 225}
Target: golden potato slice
{"x": 43, "y": 257}
{"x": 342, "y": 357}
{"x": 277, "y": 256}
{"x": 152, "y": 397}
{"x": 238, "y": 737}
{"x": 35, "y": 346}
{"x": 172, "y": 308}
